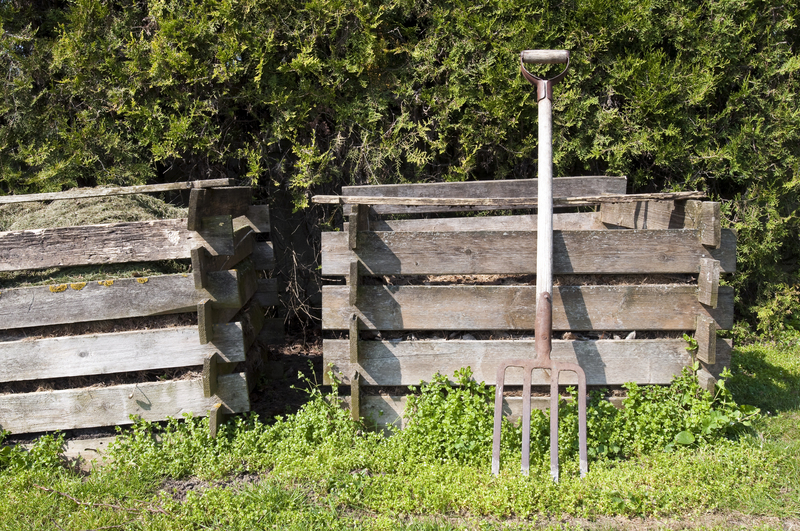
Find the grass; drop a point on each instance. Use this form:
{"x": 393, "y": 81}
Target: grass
{"x": 316, "y": 470}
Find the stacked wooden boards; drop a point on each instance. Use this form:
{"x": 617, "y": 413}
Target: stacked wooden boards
{"x": 224, "y": 236}
{"x": 625, "y": 243}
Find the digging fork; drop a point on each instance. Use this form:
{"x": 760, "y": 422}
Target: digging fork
{"x": 544, "y": 288}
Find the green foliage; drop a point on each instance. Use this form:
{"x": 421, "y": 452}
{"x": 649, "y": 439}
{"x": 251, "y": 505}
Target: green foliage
{"x": 43, "y": 454}
{"x": 310, "y": 96}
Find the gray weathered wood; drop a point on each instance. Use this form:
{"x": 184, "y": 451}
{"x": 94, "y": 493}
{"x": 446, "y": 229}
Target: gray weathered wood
{"x": 708, "y": 282}
{"x": 606, "y": 362}
{"x": 562, "y": 187}
{"x": 244, "y": 244}
{"x": 205, "y": 321}
{"x": 256, "y": 217}
{"x": 503, "y": 202}
{"x": 115, "y": 299}
{"x": 230, "y": 201}
{"x": 77, "y": 193}
{"x": 620, "y": 307}
{"x": 585, "y": 252}
{"x": 561, "y": 221}
{"x": 140, "y": 350}
{"x": 267, "y": 292}
{"x": 247, "y": 286}
{"x": 706, "y": 380}
{"x": 706, "y": 337}
{"x": 657, "y": 215}
{"x": 263, "y": 256}
{"x": 110, "y": 406}
{"x": 210, "y": 374}
{"x": 113, "y": 243}
{"x": 703, "y": 215}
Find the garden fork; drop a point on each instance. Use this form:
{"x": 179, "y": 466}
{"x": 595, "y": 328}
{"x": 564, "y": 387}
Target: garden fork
{"x": 544, "y": 288}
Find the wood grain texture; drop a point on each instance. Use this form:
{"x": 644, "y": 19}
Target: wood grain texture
{"x": 263, "y": 256}
{"x": 113, "y": 243}
{"x": 267, "y": 292}
{"x": 561, "y": 221}
{"x": 141, "y": 350}
{"x": 114, "y": 299}
{"x": 256, "y": 217}
{"x": 606, "y": 362}
{"x": 113, "y": 406}
{"x": 77, "y": 193}
{"x": 562, "y": 187}
{"x": 621, "y": 307}
{"x": 490, "y": 252}
{"x": 654, "y": 215}
{"x": 229, "y": 201}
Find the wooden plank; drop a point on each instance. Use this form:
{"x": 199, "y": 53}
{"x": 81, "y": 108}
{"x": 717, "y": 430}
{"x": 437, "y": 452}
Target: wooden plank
{"x": 503, "y": 202}
{"x": 267, "y": 292}
{"x": 606, "y": 362}
{"x": 113, "y": 243}
{"x": 110, "y": 406}
{"x": 77, "y": 193}
{"x": 561, "y": 221}
{"x": 216, "y": 235}
{"x": 706, "y": 337}
{"x": 655, "y": 215}
{"x": 114, "y": 299}
{"x": 703, "y": 215}
{"x": 247, "y": 286}
{"x": 706, "y": 380}
{"x": 140, "y": 350}
{"x": 243, "y": 242}
{"x": 620, "y": 307}
{"x": 489, "y": 252}
{"x": 205, "y": 321}
{"x": 256, "y": 217}
{"x": 263, "y": 256}
{"x": 230, "y": 201}
{"x": 210, "y": 373}
{"x": 562, "y": 187}
{"x": 708, "y": 282}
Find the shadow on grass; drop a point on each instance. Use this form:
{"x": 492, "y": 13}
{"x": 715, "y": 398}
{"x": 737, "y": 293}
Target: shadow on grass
{"x": 767, "y": 377}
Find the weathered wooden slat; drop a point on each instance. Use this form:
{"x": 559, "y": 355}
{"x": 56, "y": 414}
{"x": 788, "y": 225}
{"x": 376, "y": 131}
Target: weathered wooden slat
{"x": 263, "y": 256}
{"x": 606, "y": 362}
{"x": 141, "y": 350}
{"x": 256, "y": 217}
{"x": 708, "y": 281}
{"x": 114, "y": 243}
{"x": 706, "y": 337}
{"x": 654, "y": 215}
{"x": 243, "y": 242}
{"x": 77, "y": 193}
{"x": 267, "y": 292}
{"x": 114, "y": 299}
{"x": 561, "y": 221}
{"x": 247, "y": 286}
{"x": 461, "y": 203}
{"x": 702, "y": 215}
{"x": 620, "y": 307}
{"x": 562, "y": 187}
{"x": 230, "y": 201}
{"x": 110, "y": 406}
{"x": 484, "y": 252}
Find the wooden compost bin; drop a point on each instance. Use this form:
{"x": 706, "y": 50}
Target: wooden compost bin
{"x": 223, "y": 235}
{"x": 666, "y": 236}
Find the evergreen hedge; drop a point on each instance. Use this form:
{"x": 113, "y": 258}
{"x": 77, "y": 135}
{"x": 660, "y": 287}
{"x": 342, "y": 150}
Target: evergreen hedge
{"x": 675, "y": 94}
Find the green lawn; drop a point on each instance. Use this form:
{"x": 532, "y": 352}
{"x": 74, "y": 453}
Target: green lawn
{"x": 317, "y": 470}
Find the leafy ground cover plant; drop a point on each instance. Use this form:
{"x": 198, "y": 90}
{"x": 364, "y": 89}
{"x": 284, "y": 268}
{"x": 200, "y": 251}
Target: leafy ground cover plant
{"x": 317, "y": 469}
